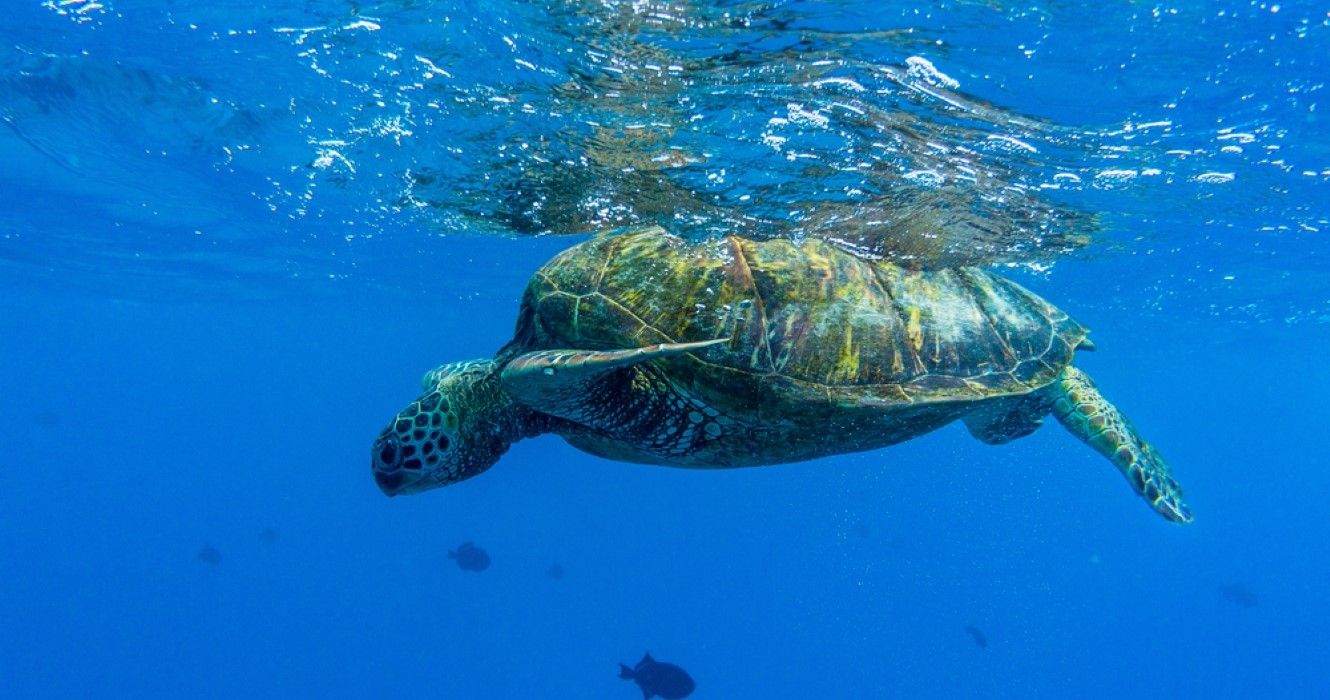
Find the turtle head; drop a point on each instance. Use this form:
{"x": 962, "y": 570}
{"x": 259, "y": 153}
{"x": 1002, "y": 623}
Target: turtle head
{"x": 456, "y": 429}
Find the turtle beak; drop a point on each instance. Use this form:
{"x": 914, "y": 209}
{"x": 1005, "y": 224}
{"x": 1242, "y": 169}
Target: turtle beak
{"x": 386, "y": 463}
{"x": 395, "y": 470}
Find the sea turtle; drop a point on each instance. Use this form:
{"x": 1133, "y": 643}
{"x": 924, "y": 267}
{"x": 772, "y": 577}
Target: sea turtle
{"x": 645, "y": 347}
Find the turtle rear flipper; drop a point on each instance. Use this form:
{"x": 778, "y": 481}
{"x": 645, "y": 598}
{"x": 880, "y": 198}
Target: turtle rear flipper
{"x": 1000, "y": 421}
{"x": 1089, "y": 416}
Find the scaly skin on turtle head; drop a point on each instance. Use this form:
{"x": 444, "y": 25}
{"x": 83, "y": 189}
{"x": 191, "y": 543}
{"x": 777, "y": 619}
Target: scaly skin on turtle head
{"x": 457, "y": 429}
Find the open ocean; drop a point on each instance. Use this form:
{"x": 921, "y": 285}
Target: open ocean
{"x": 234, "y": 235}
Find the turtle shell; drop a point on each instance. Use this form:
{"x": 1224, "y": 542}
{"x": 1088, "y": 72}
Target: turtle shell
{"x": 806, "y": 321}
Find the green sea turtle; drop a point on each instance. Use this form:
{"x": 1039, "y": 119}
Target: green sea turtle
{"x": 646, "y": 347}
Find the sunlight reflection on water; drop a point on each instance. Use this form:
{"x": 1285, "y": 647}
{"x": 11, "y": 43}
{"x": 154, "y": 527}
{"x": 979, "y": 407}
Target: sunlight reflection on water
{"x": 356, "y": 134}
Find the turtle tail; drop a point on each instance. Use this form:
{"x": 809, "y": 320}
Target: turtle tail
{"x": 1089, "y": 416}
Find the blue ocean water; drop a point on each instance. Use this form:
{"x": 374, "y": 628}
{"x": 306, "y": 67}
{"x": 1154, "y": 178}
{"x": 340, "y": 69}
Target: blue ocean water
{"x": 234, "y": 235}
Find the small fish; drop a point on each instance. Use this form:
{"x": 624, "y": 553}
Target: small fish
{"x": 1239, "y": 595}
{"x": 555, "y": 571}
{"x": 210, "y": 555}
{"x": 268, "y": 535}
{"x": 980, "y": 639}
{"x": 658, "y": 679}
{"x": 469, "y": 557}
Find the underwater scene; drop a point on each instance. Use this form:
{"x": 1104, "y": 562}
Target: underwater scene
{"x": 664, "y": 349}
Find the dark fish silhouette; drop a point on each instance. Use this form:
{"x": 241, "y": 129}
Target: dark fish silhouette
{"x": 268, "y": 535}
{"x": 980, "y": 639}
{"x": 555, "y": 571}
{"x": 658, "y": 679}
{"x": 1239, "y": 595}
{"x": 210, "y": 555}
{"x": 469, "y": 557}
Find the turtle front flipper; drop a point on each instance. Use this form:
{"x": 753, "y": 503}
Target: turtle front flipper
{"x": 565, "y": 382}
{"x": 546, "y": 378}
{"x": 1089, "y": 416}
{"x": 619, "y": 396}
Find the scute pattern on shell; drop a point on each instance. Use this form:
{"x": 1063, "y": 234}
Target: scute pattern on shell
{"x": 806, "y": 320}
